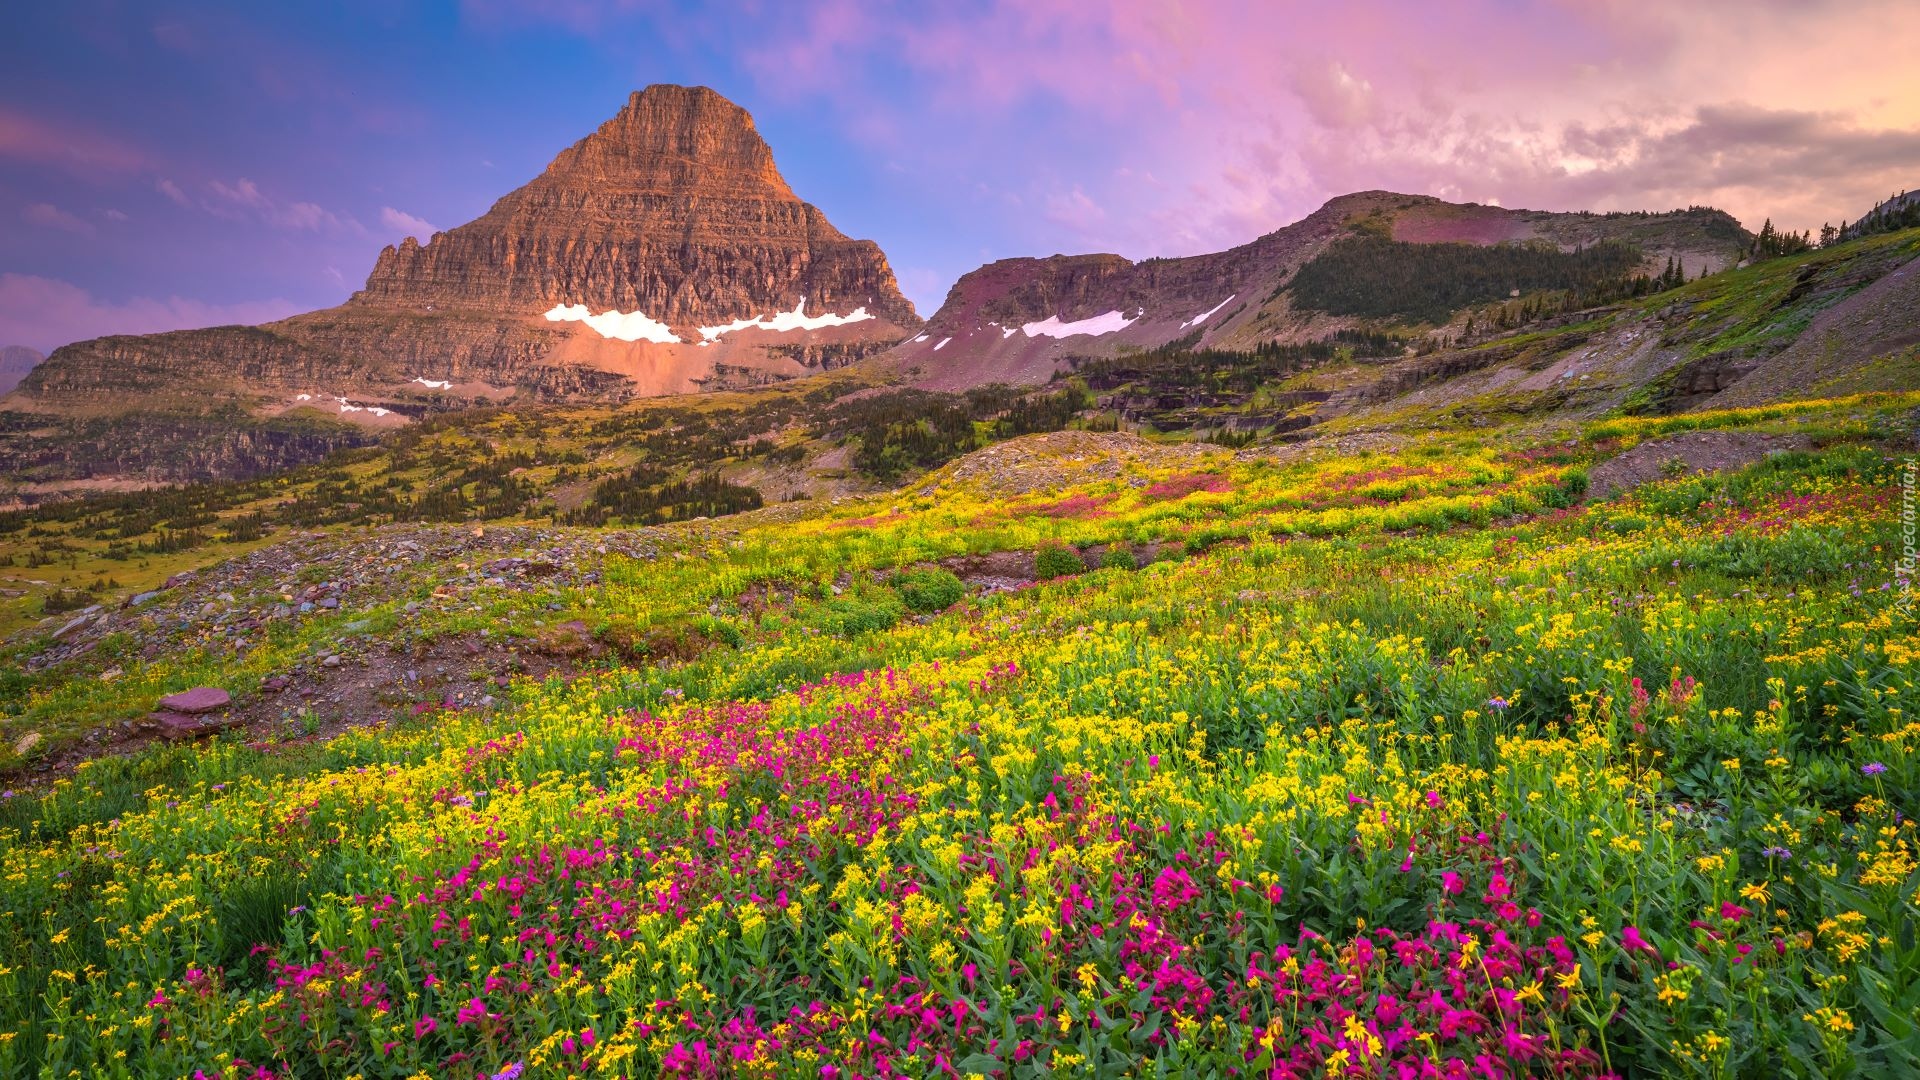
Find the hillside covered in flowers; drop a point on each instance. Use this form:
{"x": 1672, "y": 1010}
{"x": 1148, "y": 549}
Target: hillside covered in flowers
{"x": 1419, "y": 759}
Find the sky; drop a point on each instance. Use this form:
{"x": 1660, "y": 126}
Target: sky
{"x": 167, "y": 165}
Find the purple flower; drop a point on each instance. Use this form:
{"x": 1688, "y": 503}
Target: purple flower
{"x": 1497, "y": 704}
{"x": 511, "y": 1072}
{"x": 1873, "y": 768}
{"x": 1776, "y": 853}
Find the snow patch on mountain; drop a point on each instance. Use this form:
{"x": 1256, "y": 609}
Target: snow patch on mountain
{"x": 1210, "y": 313}
{"x": 1110, "y": 323}
{"x": 797, "y": 319}
{"x": 619, "y": 325}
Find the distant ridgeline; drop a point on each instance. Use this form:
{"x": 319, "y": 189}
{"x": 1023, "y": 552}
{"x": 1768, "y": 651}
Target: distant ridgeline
{"x": 1900, "y": 212}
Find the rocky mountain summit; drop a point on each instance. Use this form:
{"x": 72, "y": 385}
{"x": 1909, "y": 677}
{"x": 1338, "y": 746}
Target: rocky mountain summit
{"x": 673, "y": 209}
{"x": 661, "y": 254}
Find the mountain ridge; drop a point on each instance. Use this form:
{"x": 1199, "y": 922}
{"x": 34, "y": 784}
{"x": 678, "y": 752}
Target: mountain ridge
{"x": 672, "y": 215}
{"x": 993, "y": 321}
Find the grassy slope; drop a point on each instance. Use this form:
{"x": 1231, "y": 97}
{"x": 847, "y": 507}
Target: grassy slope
{"x": 1091, "y": 821}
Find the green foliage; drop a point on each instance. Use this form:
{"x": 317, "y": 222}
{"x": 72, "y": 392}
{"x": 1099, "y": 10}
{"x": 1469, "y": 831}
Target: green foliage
{"x": 1056, "y": 560}
{"x": 1118, "y": 557}
{"x": 61, "y": 601}
{"x": 868, "y": 612}
{"x": 928, "y": 590}
{"x": 904, "y": 430}
{"x": 1770, "y": 243}
{"x": 646, "y": 496}
{"x": 1380, "y": 278}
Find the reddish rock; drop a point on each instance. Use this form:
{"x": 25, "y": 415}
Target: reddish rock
{"x": 175, "y": 727}
{"x": 200, "y": 699}
{"x": 179, "y": 727}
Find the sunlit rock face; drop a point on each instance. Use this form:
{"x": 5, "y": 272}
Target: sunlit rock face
{"x": 673, "y": 208}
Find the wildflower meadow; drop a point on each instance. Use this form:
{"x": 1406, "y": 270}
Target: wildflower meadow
{"x": 1412, "y": 763}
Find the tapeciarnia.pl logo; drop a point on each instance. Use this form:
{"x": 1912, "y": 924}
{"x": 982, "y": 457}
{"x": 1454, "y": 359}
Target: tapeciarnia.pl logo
{"x": 1903, "y": 568}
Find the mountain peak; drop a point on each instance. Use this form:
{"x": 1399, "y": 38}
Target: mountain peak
{"x": 669, "y": 138}
{"x": 672, "y": 208}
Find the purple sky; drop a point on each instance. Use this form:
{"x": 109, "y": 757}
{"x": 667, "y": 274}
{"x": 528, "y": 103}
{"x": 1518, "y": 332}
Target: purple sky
{"x": 168, "y": 165}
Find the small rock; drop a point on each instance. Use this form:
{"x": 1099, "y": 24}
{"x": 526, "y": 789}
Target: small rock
{"x": 71, "y": 627}
{"x": 329, "y": 602}
{"x": 332, "y": 660}
{"x": 200, "y": 699}
{"x": 26, "y": 743}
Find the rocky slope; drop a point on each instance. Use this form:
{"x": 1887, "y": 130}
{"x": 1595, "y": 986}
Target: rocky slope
{"x": 661, "y": 254}
{"x": 1021, "y": 320}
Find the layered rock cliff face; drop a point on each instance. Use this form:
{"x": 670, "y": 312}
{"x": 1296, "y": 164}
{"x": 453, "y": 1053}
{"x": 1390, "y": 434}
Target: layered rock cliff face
{"x": 1023, "y": 320}
{"x": 672, "y": 215}
{"x": 673, "y": 208}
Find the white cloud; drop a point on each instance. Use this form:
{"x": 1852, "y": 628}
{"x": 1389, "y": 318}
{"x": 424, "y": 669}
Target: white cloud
{"x": 402, "y": 222}
{"x": 243, "y": 199}
{"x": 172, "y": 191}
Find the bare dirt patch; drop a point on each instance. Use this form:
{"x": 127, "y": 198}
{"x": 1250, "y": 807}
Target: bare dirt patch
{"x": 320, "y": 697}
{"x": 1686, "y": 454}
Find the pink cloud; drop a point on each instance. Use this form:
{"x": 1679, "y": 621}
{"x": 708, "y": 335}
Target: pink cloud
{"x": 243, "y": 200}
{"x": 43, "y": 141}
{"x": 43, "y": 313}
{"x": 1254, "y": 113}
{"x": 49, "y": 216}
